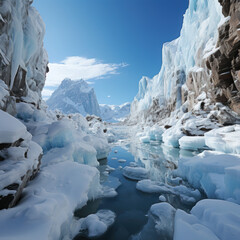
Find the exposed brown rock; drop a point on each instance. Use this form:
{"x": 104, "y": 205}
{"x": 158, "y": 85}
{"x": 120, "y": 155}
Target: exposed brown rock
{"x": 225, "y": 62}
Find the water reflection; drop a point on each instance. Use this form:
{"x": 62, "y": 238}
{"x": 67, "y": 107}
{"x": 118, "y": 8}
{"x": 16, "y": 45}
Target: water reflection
{"x": 130, "y": 205}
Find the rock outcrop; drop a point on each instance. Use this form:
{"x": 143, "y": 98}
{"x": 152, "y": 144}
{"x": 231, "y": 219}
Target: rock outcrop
{"x": 225, "y": 61}
{"x": 23, "y": 67}
{"x": 20, "y": 159}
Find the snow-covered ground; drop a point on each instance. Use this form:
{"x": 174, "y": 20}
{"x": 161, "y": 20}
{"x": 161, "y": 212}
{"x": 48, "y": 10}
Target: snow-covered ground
{"x": 68, "y": 177}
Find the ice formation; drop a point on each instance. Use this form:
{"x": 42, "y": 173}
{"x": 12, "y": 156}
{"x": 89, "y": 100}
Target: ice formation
{"x": 180, "y": 57}
{"x": 214, "y": 172}
{"x": 160, "y": 223}
{"x": 92, "y": 226}
{"x": 23, "y": 59}
{"x": 209, "y": 219}
{"x": 187, "y": 195}
{"x": 224, "y": 139}
{"x": 135, "y": 173}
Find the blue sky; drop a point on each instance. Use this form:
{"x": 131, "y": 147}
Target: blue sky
{"x": 110, "y": 43}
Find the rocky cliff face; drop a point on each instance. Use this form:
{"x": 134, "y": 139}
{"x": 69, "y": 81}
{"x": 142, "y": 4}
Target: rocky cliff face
{"x": 23, "y": 60}
{"x": 23, "y": 66}
{"x": 225, "y": 61}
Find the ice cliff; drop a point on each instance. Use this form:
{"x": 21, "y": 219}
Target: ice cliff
{"x": 74, "y": 97}
{"x": 23, "y": 59}
{"x": 201, "y": 60}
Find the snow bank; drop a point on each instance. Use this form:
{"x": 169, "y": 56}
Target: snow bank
{"x": 225, "y": 139}
{"x": 68, "y": 135}
{"x": 49, "y": 201}
{"x": 63, "y": 183}
{"x": 209, "y": 219}
{"x": 11, "y": 129}
{"x": 214, "y": 172}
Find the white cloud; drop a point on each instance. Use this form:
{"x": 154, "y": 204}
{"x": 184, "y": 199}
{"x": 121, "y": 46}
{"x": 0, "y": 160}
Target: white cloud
{"x": 108, "y": 96}
{"x": 79, "y": 68}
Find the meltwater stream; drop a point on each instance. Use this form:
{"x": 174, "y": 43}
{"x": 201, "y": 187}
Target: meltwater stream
{"x": 131, "y": 206}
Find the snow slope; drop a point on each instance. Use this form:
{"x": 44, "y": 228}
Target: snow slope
{"x": 74, "y": 97}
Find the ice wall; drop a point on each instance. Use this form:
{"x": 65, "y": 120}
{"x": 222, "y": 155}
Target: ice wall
{"x": 181, "y": 57}
{"x": 23, "y": 60}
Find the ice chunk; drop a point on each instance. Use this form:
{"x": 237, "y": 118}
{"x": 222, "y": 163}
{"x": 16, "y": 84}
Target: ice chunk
{"x": 187, "y": 195}
{"x": 162, "y": 198}
{"x": 209, "y": 219}
{"x": 122, "y": 160}
{"x": 160, "y": 223}
{"x": 135, "y": 173}
{"x": 225, "y": 139}
{"x": 214, "y": 172}
{"x": 192, "y": 143}
{"x": 97, "y": 224}
{"x": 172, "y": 135}
{"x": 145, "y": 139}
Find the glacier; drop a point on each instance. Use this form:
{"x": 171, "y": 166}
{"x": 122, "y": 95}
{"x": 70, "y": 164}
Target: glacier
{"x": 180, "y": 57}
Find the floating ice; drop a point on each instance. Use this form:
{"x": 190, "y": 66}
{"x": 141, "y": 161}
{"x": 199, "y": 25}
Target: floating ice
{"x": 122, "y": 160}
{"x": 187, "y": 195}
{"x": 160, "y": 223}
{"x": 214, "y": 172}
{"x": 162, "y": 198}
{"x": 136, "y": 173}
{"x": 94, "y": 225}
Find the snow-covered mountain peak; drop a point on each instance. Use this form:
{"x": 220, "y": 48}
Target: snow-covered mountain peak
{"x": 80, "y": 84}
{"x": 74, "y": 97}
{"x": 115, "y": 113}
